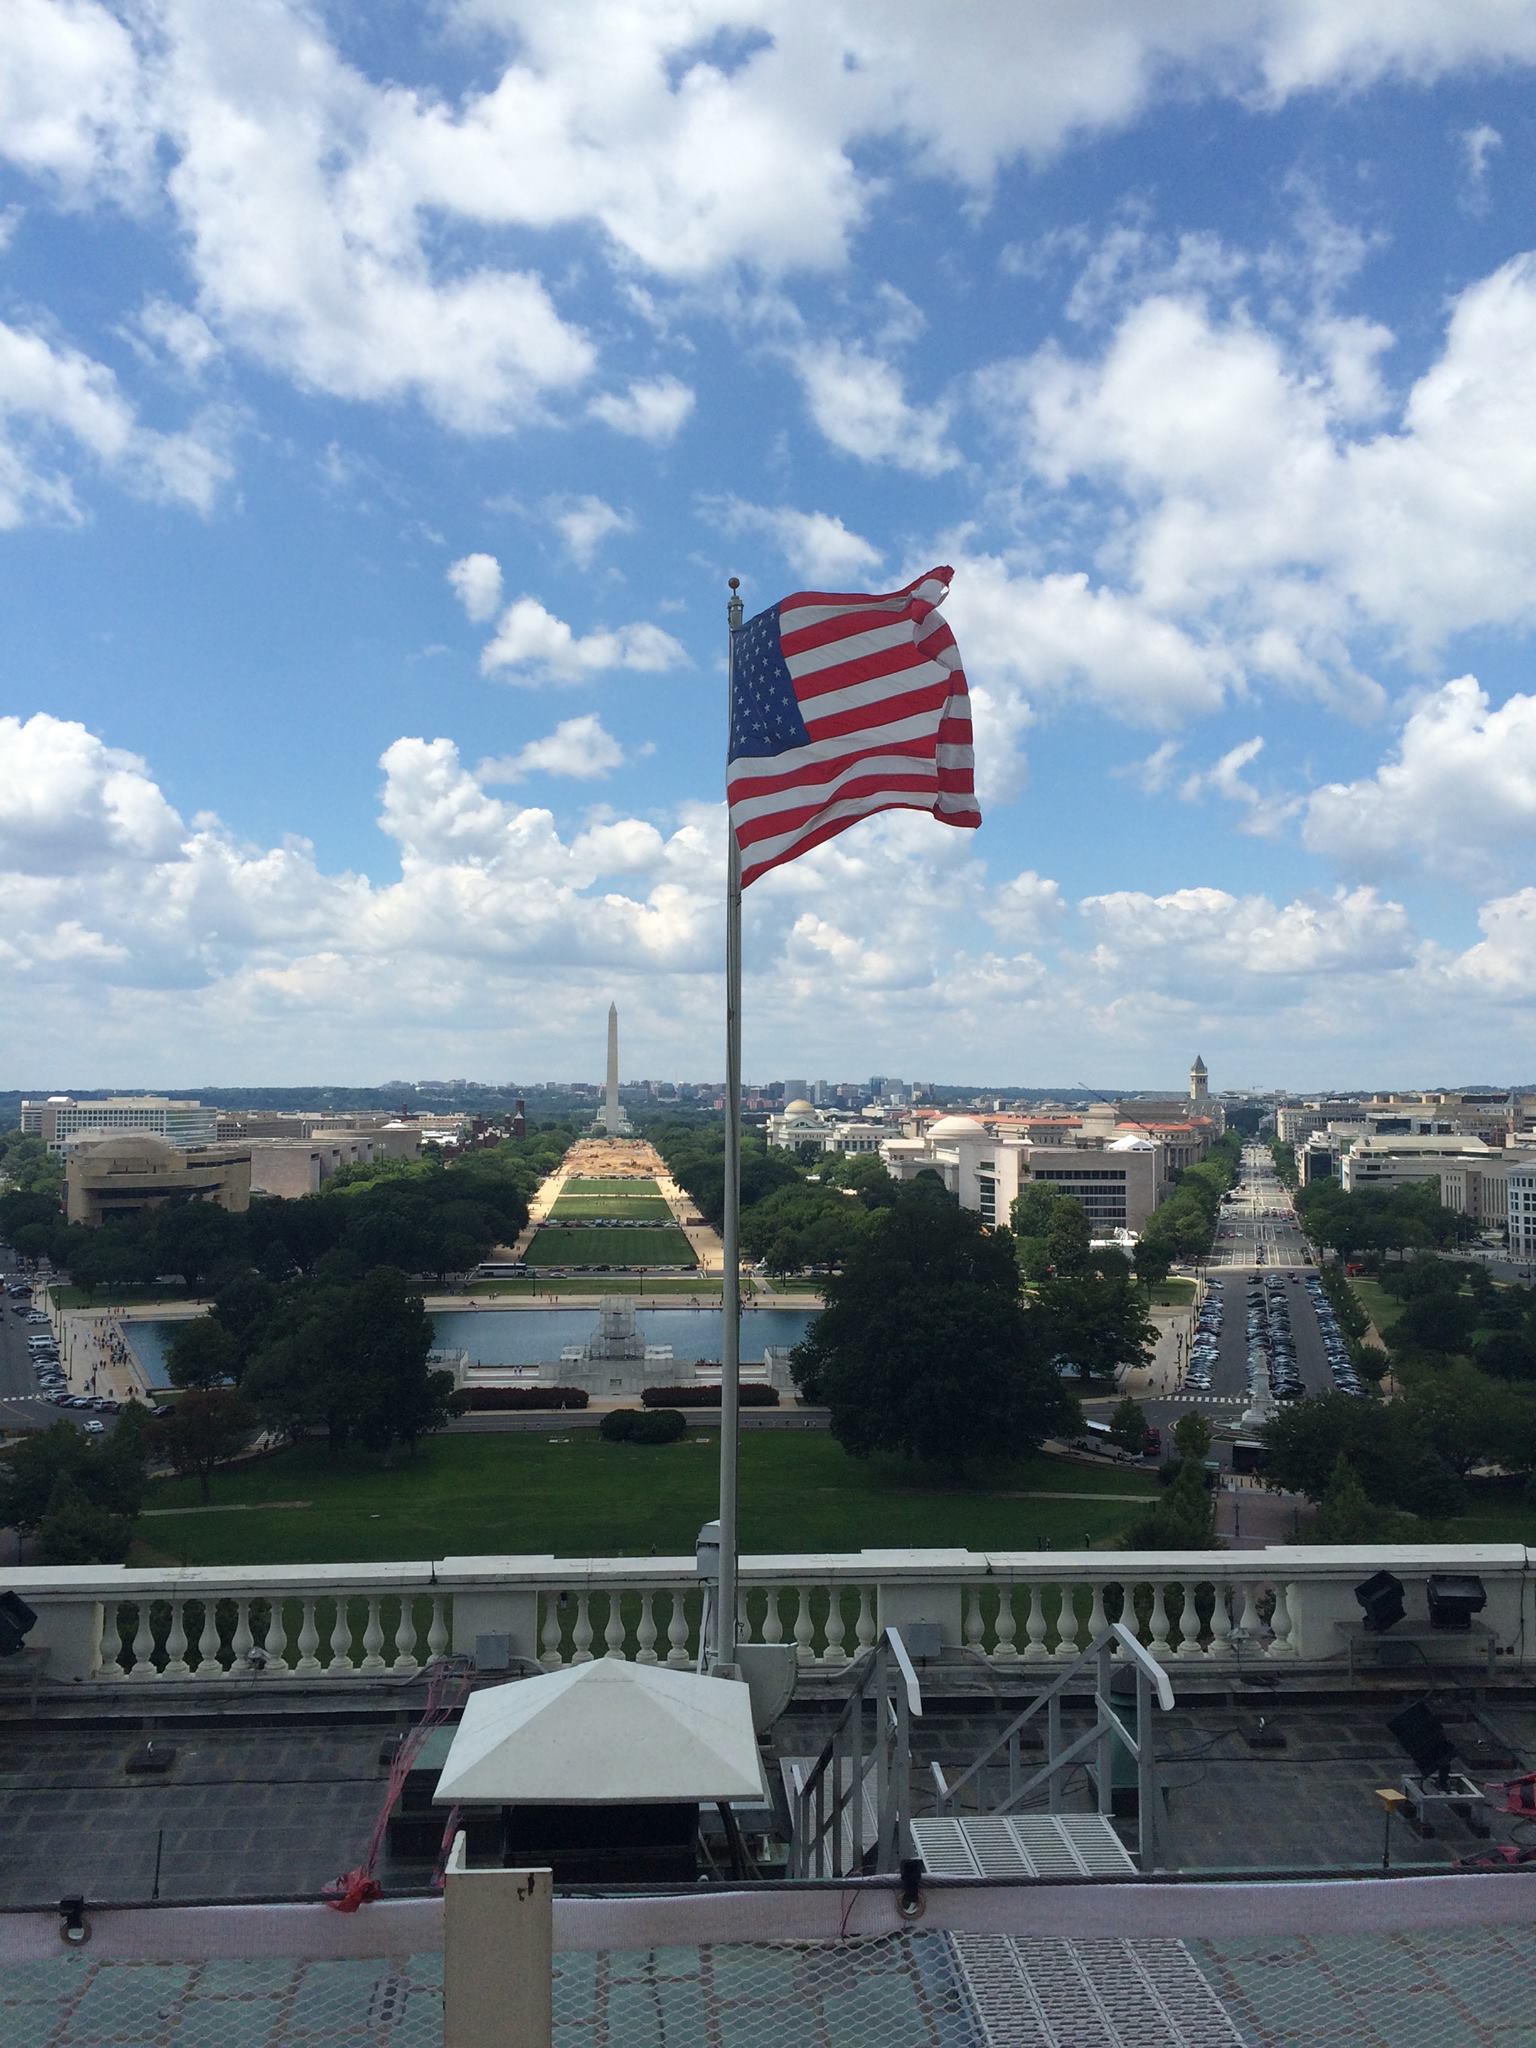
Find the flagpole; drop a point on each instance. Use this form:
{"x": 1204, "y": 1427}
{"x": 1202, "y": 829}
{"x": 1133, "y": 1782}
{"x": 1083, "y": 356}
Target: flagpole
{"x": 730, "y": 1303}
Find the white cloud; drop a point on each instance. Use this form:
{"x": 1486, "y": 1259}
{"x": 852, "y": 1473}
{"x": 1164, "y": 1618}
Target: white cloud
{"x": 1478, "y": 146}
{"x": 1028, "y": 909}
{"x": 1502, "y": 964}
{"x": 817, "y": 545}
{"x": 579, "y": 747}
{"x": 1189, "y": 935}
{"x": 858, "y": 402}
{"x": 1248, "y": 497}
{"x": 476, "y": 583}
{"x": 182, "y": 334}
{"x": 50, "y": 392}
{"x": 538, "y": 647}
{"x": 1225, "y": 778}
{"x": 67, "y": 801}
{"x": 1459, "y": 791}
{"x": 652, "y": 409}
{"x": 74, "y": 105}
{"x": 1059, "y": 636}
{"x": 585, "y": 523}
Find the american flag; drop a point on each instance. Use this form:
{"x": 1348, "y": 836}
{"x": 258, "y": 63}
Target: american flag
{"x": 842, "y": 705}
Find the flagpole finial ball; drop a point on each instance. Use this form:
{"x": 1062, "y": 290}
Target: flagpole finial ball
{"x": 733, "y": 582}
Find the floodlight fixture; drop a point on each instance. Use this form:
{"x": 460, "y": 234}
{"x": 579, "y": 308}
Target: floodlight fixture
{"x": 1454, "y": 1597}
{"x": 16, "y": 1622}
{"x": 1420, "y": 1733}
{"x": 1381, "y": 1597}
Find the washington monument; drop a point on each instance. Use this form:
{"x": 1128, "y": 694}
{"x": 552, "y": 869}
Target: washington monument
{"x": 613, "y": 1117}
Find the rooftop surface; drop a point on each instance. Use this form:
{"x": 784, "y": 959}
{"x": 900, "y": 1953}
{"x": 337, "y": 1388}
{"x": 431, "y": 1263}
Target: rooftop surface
{"x": 1448, "y": 1988}
{"x": 278, "y": 1803}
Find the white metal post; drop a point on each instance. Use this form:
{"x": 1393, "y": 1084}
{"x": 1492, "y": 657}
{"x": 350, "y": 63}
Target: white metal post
{"x": 498, "y": 1956}
{"x": 730, "y": 1303}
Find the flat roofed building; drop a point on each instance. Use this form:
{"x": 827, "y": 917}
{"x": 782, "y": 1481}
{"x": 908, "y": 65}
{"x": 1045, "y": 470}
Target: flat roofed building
{"x": 1117, "y": 1178}
{"x": 293, "y": 1166}
{"x": 1520, "y": 1193}
{"x": 61, "y": 1119}
{"x": 134, "y": 1170}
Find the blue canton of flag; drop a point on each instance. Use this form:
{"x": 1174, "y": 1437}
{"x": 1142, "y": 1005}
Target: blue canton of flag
{"x": 765, "y": 718}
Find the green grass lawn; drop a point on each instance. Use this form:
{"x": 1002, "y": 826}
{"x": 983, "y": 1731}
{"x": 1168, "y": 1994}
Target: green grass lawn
{"x": 602, "y": 1283}
{"x": 614, "y": 1190}
{"x": 1382, "y": 1308}
{"x": 636, "y": 1209}
{"x": 616, "y": 1247}
{"x": 519, "y": 1495}
{"x": 1173, "y": 1293}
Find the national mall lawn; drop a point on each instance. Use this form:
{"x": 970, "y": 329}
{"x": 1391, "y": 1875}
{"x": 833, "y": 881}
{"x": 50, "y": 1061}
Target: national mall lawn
{"x": 566, "y": 1493}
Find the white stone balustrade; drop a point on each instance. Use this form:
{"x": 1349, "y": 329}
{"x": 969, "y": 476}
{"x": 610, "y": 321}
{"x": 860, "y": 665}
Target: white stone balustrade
{"x": 388, "y": 1622}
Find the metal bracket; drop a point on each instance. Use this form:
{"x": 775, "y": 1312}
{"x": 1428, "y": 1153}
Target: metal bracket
{"x": 910, "y": 1904}
{"x": 74, "y": 1928}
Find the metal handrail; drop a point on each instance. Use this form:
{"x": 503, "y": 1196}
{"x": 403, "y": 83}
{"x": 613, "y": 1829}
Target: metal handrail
{"x": 818, "y": 1844}
{"x": 1151, "y": 1683}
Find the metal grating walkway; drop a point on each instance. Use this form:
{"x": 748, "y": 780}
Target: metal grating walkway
{"x": 1022, "y": 1845}
{"x": 1068, "y": 1994}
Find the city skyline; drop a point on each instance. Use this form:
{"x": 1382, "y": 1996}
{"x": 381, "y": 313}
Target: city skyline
{"x": 370, "y": 474}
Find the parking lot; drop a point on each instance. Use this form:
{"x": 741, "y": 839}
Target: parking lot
{"x": 33, "y": 1389}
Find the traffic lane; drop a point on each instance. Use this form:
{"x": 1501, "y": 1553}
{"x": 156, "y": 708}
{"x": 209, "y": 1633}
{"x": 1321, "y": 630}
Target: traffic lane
{"x": 23, "y": 1404}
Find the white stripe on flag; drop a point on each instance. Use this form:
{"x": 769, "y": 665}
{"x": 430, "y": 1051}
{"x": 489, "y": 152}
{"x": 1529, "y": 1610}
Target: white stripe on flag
{"x": 760, "y": 767}
{"x": 908, "y": 766}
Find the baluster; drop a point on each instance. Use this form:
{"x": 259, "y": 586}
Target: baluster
{"x": 1158, "y": 1624}
{"x": 276, "y": 1643}
{"x": 645, "y": 1633}
{"x": 1098, "y": 1620}
{"x": 974, "y": 1628}
{"x": 804, "y": 1650}
{"x": 1189, "y": 1644}
{"x": 405, "y": 1661}
{"x": 613, "y": 1631}
{"x": 176, "y": 1665}
{"x": 581, "y": 1634}
{"x": 549, "y": 1639}
{"x": 341, "y": 1640}
{"x": 111, "y": 1646}
{"x": 1067, "y": 1642}
{"x": 864, "y": 1628}
{"x": 743, "y": 1626}
{"x": 1280, "y": 1622}
{"x": 309, "y": 1638}
{"x": 773, "y": 1621}
{"x": 1221, "y": 1622}
{"x": 677, "y": 1631}
{"x": 240, "y": 1642}
{"x": 143, "y": 1665}
{"x": 834, "y": 1653}
{"x": 208, "y": 1665}
{"x": 437, "y": 1630}
{"x": 1005, "y": 1649}
{"x": 1034, "y": 1628}
{"x": 1249, "y": 1624}
{"x": 373, "y": 1637}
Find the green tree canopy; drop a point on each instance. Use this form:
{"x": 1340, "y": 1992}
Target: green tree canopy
{"x": 204, "y": 1430}
{"x": 924, "y": 1347}
{"x": 202, "y": 1353}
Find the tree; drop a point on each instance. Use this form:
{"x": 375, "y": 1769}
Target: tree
{"x": 77, "y": 1530}
{"x": 1183, "y": 1518}
{"x": 1033, "y": 1208}
{"x": 1192, "y": 1437}
{"x": 1068, "y": 1238}
{"x": 1096, "y": 1320}
{"x": 203, "y": 1431}
{"x": 191, "y": 1238}
{"x": 1437, "y": 1322}
{"x": 110, "y": 1475}
{"x": 1128, "y": 1425}
{"x": 1347, "y": 1514}
{"x": 924, "y": 1347}
{"x": 202, "y": 1354}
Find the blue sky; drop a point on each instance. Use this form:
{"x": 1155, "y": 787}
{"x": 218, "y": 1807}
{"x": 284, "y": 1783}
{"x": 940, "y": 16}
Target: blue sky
{"x": 386, "y": 393}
